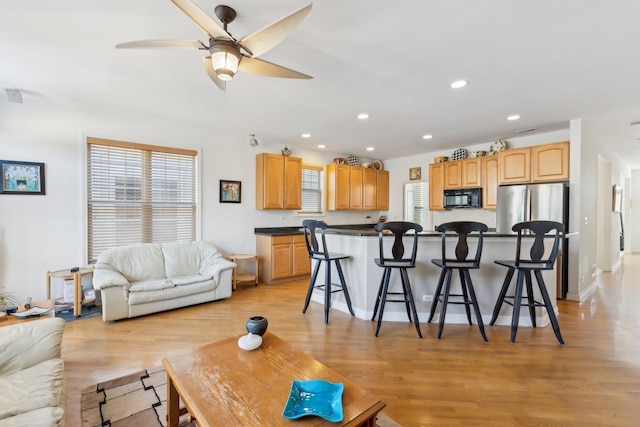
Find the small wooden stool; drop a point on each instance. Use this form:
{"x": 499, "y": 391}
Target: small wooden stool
{"x": 240, "y": 276}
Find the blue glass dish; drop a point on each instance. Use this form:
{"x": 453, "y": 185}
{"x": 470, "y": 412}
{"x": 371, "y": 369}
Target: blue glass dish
{"x": 315, "y": 397}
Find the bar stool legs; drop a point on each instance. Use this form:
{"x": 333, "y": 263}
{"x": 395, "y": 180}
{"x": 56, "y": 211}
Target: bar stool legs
{"x": 524, "y": 278}
{"x": 328, "y": 287}
{"x": 407, "y": 299}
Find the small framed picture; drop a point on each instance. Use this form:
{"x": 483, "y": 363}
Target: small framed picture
{"x": 415, "y": 173}
{"x": 21, "y": 177}
{"x": 230, "y": 191}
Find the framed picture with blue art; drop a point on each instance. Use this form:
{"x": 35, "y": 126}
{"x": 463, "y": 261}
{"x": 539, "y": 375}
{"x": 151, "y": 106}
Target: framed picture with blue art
{"x": 21, "y": 177}
{"x": 230, "y": 191}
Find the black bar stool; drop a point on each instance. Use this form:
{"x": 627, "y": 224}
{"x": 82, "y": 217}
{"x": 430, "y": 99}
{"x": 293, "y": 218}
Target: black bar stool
{"x": 397, "y": 261}
{"x": 323, "y": 255}
{"x": 524, "y": 267}
{"x": 463, "y": 264}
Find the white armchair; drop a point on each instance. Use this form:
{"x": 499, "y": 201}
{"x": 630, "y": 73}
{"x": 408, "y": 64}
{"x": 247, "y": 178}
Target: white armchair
{"x": 32, "y": 381}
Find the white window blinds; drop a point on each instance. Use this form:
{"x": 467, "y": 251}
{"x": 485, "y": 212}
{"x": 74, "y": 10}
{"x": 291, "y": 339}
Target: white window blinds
{"x": 139, "y": 194}
{"x": 312, "y": 185}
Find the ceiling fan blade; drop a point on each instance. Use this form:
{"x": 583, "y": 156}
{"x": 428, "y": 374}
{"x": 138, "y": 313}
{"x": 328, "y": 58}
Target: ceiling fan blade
{"x": 162, "y": 44}
{"x": 204, "y": 21}
{"x": 270, "y": 36}
{"x": 212, "y": 74}
{"x": 264, "y": 68}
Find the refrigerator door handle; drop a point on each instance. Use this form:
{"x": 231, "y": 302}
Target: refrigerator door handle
{"x": 527, "y": 205}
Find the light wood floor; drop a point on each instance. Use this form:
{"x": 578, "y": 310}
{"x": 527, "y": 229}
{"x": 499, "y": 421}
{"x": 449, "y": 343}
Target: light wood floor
{"x": 594, "y": 380}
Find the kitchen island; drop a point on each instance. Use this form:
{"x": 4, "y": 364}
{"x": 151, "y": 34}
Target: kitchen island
{"x": 363, "y": 275}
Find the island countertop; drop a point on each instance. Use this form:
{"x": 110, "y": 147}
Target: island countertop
{"x": 365, "y": 230}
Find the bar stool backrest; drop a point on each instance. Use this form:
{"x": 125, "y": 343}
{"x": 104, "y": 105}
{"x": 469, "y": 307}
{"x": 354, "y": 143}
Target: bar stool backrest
{"x": 399, "y": 229}
{"x": 310, "y": 226}
{"x": 539, "y": 229}
{"x": 463, "y": 229}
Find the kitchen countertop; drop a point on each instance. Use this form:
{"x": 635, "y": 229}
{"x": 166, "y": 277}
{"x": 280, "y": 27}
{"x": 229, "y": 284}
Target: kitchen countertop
{"x": 364, "y": 230}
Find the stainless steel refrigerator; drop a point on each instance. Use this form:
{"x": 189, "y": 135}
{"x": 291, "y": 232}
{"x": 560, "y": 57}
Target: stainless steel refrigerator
{"x": 532, "y": 202}
{"x": 536, "y": 202}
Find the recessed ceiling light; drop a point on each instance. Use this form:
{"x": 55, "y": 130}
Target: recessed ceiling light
{"x": 513, "y": 117}
{"x": 306, "y": 135}
{"x": 458, "y": 84}
{"x": 363, "y": 116}
{"x": 321, "y": 146}
{"x": 427, "y": 136}
{"x": 370, "y": 148}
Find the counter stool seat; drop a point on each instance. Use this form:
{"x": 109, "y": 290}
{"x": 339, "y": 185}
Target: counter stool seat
{"x": 323, "y": 255}
{"x": 463, "y": 264}
{"x": 525, "y": 267}
{"x": 399, "y": 262}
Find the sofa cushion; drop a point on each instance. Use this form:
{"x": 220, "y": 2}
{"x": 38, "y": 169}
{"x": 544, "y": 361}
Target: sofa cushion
{"x": 136, "y": 262}
{"x": 151, "y": 285}
{"x": 43, "y": 417}
{"x": 174, "y": 292}
{"x": 39, "y": 386}
{"x": 187, "y": 280}
{"x": 187, "y": 258}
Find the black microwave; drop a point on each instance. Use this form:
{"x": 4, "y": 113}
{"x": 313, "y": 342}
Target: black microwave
{"x": 465, "y": 198}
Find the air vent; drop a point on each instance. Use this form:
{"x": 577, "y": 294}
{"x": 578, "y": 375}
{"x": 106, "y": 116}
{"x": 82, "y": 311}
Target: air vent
{"x": 525, "y": 130}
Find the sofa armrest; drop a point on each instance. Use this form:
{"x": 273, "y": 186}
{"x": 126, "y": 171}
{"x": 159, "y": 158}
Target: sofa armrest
{"x": 26, "y": 344}
{"x": 104, "y": 277}
{"x": 215, "y": 267}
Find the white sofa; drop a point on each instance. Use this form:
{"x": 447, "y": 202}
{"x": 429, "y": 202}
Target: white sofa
{"x": 147, "y": 278}
{"x": 32, "y": 382}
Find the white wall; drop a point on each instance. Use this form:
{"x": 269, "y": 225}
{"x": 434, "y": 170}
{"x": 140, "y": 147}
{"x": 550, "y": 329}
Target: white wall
{"x": 41, "y": 233}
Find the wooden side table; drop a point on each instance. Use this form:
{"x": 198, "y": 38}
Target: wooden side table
{"x": 77, "y": 285}
{"x": 241, "y": 276}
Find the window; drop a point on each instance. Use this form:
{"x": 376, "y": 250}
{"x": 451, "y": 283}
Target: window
{"x": 312, "y": 184}
{"x": 139, "y": 194}
{"x": 414, "y": 199}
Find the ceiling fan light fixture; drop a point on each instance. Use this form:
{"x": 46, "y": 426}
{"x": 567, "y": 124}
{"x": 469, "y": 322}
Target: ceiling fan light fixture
{"x": 225, "y": 58}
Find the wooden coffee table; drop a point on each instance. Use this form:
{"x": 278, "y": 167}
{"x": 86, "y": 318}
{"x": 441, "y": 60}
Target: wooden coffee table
{"x": 223, "y": 385}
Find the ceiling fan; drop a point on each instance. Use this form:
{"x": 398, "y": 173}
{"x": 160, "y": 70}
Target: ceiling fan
{"x": 229, "y": 55}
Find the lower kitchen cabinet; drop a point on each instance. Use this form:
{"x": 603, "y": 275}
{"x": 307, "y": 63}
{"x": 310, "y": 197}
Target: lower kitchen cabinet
{"x": 282, "y": 258}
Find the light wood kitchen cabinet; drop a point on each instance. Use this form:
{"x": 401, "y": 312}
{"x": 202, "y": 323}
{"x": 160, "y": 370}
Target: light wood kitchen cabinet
{"x": 382, "y": 190}
{"x": 471, "y": 173}
{"x": 550, "y": 162}
{"x": 356, "y": 196}
{"x": 278, "y": 182}
{"x": 282, "y": 258}
{"x": 338, "y": 186}
{"x": 489, "y": 182}
{"x": 301, "y": 263}
{"x": 369, "y": 184}
{"x": 356, "y": 188}
{"x": 452, "y": 175}
{"x": 514, "y": 166}
{"x": 436, "y": 186}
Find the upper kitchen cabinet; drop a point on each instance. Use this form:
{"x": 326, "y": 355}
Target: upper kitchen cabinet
{"x": 514, "y": 166}
{"x": 471, "y": 173}
{"x": 356, "y": 188}
{"x": 436, "y": 186}
{"x": 453, "y": 175}
{"x": 465, "y": 173}
{"x": 369, "y": 188}
{"x": 338, "y": 182}
{"x": 550, "y": 162}
{"x": 490, "y": 182}
{"x": 356, "y": 196}
{"x": 382, "y": 190}
{"x": 278, "y": 182}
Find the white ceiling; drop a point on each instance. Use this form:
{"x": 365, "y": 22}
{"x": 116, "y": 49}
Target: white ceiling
{"x": 549, "y": 61}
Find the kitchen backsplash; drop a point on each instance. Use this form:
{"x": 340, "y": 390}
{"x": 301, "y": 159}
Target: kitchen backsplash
{"x": 478, "y": 215}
